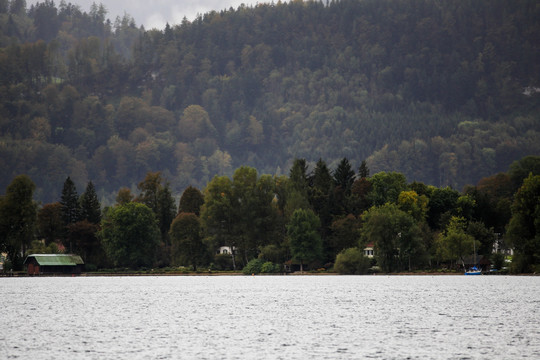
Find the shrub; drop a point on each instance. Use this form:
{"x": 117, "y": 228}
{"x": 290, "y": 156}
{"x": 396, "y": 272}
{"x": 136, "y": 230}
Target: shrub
{"x": 253, "y": 267}
{"x": 270, "y": 268}
{"x": 223, "y": 262}
{"x": 352, "y": 262}
{"x": 497, "y": 261}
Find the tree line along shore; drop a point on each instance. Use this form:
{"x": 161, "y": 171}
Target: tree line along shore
{"x": 315, "y": 219}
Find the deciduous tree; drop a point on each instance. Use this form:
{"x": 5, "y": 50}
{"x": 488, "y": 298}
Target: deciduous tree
{"x": 191, "y": 201}
{"x": 17, "y": 219}
{"x": 187, "y": 245}
{"x": 304, "y": 239}
{"x": 130, "y": 235}
{"x": 398, "y": 244}
{"x": 49, "y": 222}
{"x": 524, "y": 228}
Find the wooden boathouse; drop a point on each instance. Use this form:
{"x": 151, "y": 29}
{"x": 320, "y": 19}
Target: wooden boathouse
{"x": 41, "y": 264}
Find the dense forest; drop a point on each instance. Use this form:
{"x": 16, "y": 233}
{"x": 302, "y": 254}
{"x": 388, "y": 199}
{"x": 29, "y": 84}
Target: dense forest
{"x": 445, "y": 93}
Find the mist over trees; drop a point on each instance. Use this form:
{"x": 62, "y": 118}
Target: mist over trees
{"x": 443, "y": 93}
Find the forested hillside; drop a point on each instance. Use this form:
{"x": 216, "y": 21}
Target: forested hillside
{"x": 444, "y": 92}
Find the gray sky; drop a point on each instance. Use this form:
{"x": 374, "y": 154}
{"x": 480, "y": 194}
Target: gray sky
{"x": 156, "y": 13}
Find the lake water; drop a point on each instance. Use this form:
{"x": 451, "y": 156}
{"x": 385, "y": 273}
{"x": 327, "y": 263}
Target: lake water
{"x": 270, "y": 317}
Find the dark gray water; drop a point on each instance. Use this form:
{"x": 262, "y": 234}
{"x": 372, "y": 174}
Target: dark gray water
{"x": 270, "y": 317}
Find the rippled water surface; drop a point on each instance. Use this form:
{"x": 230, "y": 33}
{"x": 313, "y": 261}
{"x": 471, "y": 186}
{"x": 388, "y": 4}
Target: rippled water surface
{"x": 270, "y": 317}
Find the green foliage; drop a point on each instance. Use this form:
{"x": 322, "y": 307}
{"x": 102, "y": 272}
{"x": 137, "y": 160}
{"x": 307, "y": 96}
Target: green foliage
{"x": 524, "y": 227}
{"x": 274, "y": 253}
{"x": 241, "y": 213}
{"x": 18, "y": 213}
{"x": 484, "y": 235}
{"x": 413, "y": 204}
{"x": 82, "y": 239}
{"x": 130, "y": 235}
{"x": 71, "y": 208}
{"x": 304, "y": 239}
{"x": 442, "y": 201}
{"x": 344, "y": 176}
{"x": 253, "y": 267}
{"x": 345, "y": 234}
{"x": 207, "y": 96}
{"x": 497, "y": 261}
{"x": 49, "y": 223}
{"x": 90, "y": 206}
{"x": 456, "y": 244}
{"x": 39, "y": 247}
{"x": 158, "y": 197}
{"x": 386, "y": 187}
{"x": 352, "y": 262}
{"x": 270, "y": 268}
{"x": 191, "y": 201}
{"x": 222, "y": 262}
{"x": 397, "y": 238}
{"x": 187, "y": 245}
{"x": 520, "y": 169}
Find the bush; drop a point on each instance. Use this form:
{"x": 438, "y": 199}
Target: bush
{"x": 352, "y": 262}
{"x": 497, "y": 261}
{"x": 253, "y": 267}
{"x": 270, "y": 268}
{"x": 222, "y": 262}
{"x": 273, "y": 253}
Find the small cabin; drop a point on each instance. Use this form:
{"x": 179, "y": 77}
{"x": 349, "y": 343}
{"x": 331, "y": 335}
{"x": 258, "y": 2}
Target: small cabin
{"x": 39, "y": 264}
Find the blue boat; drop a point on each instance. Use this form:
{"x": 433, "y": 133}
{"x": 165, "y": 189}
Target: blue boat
{"x": 473, "y": 271}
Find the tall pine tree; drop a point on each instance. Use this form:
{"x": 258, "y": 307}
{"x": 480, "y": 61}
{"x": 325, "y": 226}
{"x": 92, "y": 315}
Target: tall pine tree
{"x": 90, "y": 206}
{"x": 71, "y": 210}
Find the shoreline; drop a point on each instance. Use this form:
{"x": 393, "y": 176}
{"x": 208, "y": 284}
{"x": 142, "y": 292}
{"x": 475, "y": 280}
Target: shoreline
{"x": 133, "y": 274}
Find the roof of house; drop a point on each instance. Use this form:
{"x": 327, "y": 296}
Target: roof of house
{"x": 56, "y": 259}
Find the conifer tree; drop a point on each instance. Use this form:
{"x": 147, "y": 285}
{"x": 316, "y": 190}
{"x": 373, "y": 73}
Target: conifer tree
{"x": 344, "y": 175}
{"x": 363, "y": 170}
{"x": 71, "y": 210}
{"x": 166, "y": 211}
{"x": 90, "y": 206}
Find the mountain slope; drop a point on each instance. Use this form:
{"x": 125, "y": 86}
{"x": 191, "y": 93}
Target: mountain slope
{"x": 446, "y": 93}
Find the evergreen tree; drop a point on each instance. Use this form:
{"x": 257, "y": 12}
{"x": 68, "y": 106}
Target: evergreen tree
{"x": 297, "y": 187}
{"x": 166, "y": 211}
{"x": 320, "y": 198}
{"x": 298, "y": 176}
{"x": 363, "y": 170}
{"x": 322, "y": 180}
{"x": 343, "y": 180}
{"x": 71, "y": 210}
{"x": 158, "y": 197}
{"x": 344, "y": 176}
{"x": 90, "y": 206}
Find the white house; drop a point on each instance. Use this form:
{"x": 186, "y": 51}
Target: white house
{"x": 224, "y": 250}
{"x": 368, "y": 250}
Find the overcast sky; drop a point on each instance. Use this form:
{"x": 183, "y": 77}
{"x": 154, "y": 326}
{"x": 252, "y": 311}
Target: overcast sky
{"x": 156, "y": 13}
